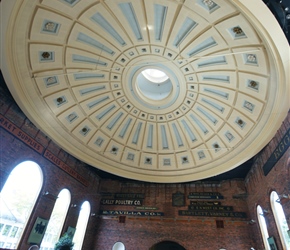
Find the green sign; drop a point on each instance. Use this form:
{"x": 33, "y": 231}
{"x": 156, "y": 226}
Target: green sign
{"x": 212, "y": 214}
{"x": 213, "y": 208}
{"x": 38, "y": 231}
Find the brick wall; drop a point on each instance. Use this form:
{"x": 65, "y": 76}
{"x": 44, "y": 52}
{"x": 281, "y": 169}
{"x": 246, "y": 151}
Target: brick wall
{"x": 260, "y": 186}
{"x": 15, "y": 149}
{"x": 140, "y": 233}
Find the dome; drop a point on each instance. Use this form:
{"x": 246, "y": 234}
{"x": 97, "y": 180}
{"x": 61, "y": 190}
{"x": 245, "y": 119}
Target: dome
{"x": 155, "y": 90}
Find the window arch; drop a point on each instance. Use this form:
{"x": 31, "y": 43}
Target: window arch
{"x": 17, "y": 200}
{"x": 118, "y": 246}
{"x": 280, "y": 220}
{"x": 81, "y": 225}
{"x": 56, "y": 220}
{"x": 263, "y": 227}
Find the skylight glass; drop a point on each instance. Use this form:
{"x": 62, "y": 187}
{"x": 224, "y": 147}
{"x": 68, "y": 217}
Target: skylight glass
{"x": 155, "y": 75}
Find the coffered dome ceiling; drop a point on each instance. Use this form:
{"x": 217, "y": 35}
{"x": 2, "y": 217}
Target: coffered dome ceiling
{"x": 154, "y": 90}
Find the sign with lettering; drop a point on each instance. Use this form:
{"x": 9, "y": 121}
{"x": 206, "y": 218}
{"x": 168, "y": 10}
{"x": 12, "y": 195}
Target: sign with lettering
{"x": 130, "y": 213}
{"x": 146, "y": 208}
{"x": 205, "y": 193}
{"x": 277, "y": 154}
{"x": 22, "y": 136}
{"x": 58, "y": 162}
{"x": 129, "y": 196}
{"x": 206, "y": 197}
{"x": 212, "y": 214}
{"x": 18, "y": 133}
{"x": 121, "y": 202}
{"x": 212, "y": 208}
{"x": 209, "y": 203}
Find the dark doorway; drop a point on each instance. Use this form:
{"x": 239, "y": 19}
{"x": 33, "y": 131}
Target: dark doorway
{"x": 167, "y": 245}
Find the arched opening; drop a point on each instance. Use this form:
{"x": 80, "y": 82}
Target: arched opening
{"x": 118, "y": 246}
{"x": 17, "y": 199}
{"x": 280, "y": 219}
{"x": 167, "y": 245}
{"x": 81, "y": 225}
{"x": 263, "y": 226}
{"x": 56, "y": 220}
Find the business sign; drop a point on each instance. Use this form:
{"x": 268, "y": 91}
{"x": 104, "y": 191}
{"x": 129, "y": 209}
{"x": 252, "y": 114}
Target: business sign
{"x": 129, "y": 196}
{"x": 206, "y": 203}
{"x": 205, "y": 193}
{"x": 121, "y": 202}
{"x": 211, "y": 208}
{"x": 29, "y": 141}
{"x": 277, "y": 154}
{"x": 130, "y": 213}
{"x": 19, "y": 134}
{"x": 212, "y": 214}
{"x": 58, "y": 162}
{"x": 146, "y": 208}
{"x": 206, "y": 197}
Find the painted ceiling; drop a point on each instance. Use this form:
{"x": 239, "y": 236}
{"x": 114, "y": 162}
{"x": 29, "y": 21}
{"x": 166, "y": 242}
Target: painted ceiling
{"x": 76, "y": 68}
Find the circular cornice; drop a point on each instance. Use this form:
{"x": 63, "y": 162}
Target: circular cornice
{"x": 72, "y": 69}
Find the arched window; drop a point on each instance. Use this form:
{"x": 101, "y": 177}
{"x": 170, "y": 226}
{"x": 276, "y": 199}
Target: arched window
{"x": 81, "y": 225}
{"x": 118, "y": 246}
{"x": 263, "y": 227}
{"x": 56, "y": 220}
{"x": 17, "y": 200}
{"x": 280, "y": 220}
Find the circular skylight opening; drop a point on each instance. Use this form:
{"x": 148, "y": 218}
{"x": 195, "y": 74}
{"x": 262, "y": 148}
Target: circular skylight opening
{"x": 154, "y": 84}
{"x": 155, "y": 75}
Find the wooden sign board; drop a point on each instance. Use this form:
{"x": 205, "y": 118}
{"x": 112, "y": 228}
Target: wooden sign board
{"x": 146, "y": 208}
{"x": 205, "y": 193}
{"x": 210, "y": 208}
{"x": 206, "y": 197}
{"x": 212, "y": 214}
{"x": 281, "y": 148}
{"x": 130, "y": 213}
{"x": 206, "y": 203}
{"x": 121, "y": 202}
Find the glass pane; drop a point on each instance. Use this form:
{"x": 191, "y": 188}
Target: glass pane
{"x": 280, "y": 220}
{"x": 56, "y": 220}
{"x": 17, "y": 199}
{"x": 263, "y": 227}
{"x": 81, "y": 226}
